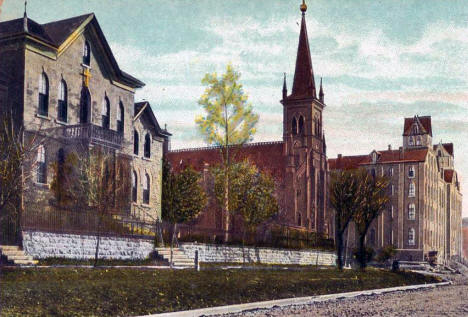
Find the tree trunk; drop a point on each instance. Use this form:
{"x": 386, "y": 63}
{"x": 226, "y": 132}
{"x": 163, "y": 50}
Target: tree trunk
{"x": 226, "y": 206}
{"x": 172, "y": 243}
{"x": 339, "y": 249}
{"x": 362, "y": 252}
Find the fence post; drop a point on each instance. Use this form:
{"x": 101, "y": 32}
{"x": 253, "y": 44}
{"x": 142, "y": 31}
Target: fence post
{"x": 197, "y": 263}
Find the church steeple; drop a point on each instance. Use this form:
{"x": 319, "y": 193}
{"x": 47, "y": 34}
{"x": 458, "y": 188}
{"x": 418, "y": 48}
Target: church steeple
{"x": 321, "y": 94}
{"x": 304, "y": 83}
{"x": 25, "y": 17}
{"x": 285, "y": 88}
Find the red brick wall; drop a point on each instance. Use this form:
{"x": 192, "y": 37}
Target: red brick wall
{"x": 465, "y": 241}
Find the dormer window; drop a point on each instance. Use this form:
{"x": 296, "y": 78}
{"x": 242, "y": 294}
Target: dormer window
{"x": 374, "y": 157}
{"x": 86, "y": 54}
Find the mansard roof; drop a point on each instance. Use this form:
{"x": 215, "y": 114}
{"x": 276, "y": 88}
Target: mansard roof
{"x": 267, "y": 156}
{"x": 385, "y": 157}
{"x": 304, "y": 82}
{"x": 144, "y": 109}
{"x": 423, "y": 122}
{"x": 59, "y": 34}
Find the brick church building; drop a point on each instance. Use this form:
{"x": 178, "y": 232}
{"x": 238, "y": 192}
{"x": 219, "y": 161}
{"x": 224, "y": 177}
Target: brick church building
{"x": 298, "y": 162}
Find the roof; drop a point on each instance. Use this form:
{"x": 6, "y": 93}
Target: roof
{"x": 267, "y": 156}
{"x": 304, "y": 82}
{"x": 144, "y": 108}
{"x": 385, "y": 157}
{"x": 424, "y": 121}
{"x": 58, "y": 32}
{"x": 448, "y": 175}
{"x": 447, "y": 146}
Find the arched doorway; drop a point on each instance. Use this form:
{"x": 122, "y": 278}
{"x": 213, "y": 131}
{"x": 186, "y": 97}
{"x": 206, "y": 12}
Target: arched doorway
{"x": 85, "y": 105}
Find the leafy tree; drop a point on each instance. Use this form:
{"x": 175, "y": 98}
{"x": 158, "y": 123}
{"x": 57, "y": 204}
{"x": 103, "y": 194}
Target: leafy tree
{"x": 251, "y": 194}
{"x": 373, "y": 201}
{"x": 345, "y": 200}
{"x": 229, "y": 121}
{"x": 97, "y": 182}
{"x": 183, "y": 198}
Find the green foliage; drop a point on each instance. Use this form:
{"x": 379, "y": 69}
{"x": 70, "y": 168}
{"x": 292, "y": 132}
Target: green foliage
{"x": 183, "y": 198}
{"x": 229, "y": 117}
{"x": 386, "y": 253}
{"x": 369, "y": 254}
{"x": 135, "y": 292}
{"x": 251, "y": 193}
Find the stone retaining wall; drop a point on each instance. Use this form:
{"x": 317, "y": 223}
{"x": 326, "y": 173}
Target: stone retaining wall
{"x": 42, "y": 245}
{"x": 220, "y": 253}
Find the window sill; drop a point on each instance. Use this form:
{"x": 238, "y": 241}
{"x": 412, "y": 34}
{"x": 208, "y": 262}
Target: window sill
{"x": 146, "y": 159}
{"x": 61, "y": 122}
{"x": 43, "y": 117}
{"x": 87, "y": 66}
{"x": 41, "y": 185}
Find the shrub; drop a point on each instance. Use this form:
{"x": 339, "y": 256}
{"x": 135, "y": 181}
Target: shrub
{"x": 369, "y": 254}
{"x": 386, "y": 253}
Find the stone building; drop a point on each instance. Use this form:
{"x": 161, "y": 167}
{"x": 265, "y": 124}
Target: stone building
{"x": 424, "y": 213}
{"x": 61, "y": 81}
{"x": 298, "y": 162}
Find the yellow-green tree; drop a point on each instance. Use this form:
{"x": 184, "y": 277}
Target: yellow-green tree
{"x": 251, "y": 194}
{"x": 228, "y": 121}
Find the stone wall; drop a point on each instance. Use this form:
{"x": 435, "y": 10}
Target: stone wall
{"x": 221, "y": 253}
{"x": 42, "y": 245}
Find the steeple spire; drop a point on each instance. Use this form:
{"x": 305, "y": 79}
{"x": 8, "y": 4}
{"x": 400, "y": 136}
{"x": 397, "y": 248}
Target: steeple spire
{"x": 304, "y": 83}
{"x": 285, "y": 88}
{"x": 25, "y": 17}
{"x": 321, "y": 94}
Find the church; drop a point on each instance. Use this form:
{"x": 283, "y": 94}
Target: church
{"x": 298, "y": 162}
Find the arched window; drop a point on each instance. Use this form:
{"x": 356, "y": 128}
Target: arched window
{"x": 85, "y": 103}
{"x": 412, "y": 190}
{"x": 120, "y": 118}
{"x": 418, "y": 140}
{"x": 63, "y": 102}
{"x": 301, "y": 125}
{"x": 411, "y": 236}
{"x": 372, "y": 236}
{"x": 294, "y": 126}
{"x": 134, "y": 186}
{"x": 43, "y": 95}
{"x": 299, "y": 220}
{"x": 41, "y": 175}
{"x": 411, "y": 212}
{"x": 86, "y": 54}
{"x": 147, "y": 145}
{"x": 411, "y": 172}
{"x": 105, "y": 113}
{"x": 136, "y": 142}
{"x": 411, "y": 141}
{"x": 146, "y": 191}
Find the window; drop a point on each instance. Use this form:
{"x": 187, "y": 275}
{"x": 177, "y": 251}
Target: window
{"x": 418, "y": 140}
{"x": 105, "y": 113}
{"x": 63, "y": 102}
{"x": 294, "y": 126}
{"x": 85, "y": 102}
{"x": 146, "y": 186}
{"x": 415, "y": 128}
{"x": 301, "y": 125}
{"x": 120, "y": 118}
{"x": 86, "y": 54}
{"x": 411, "y": 236}
{"x": 411, "y": 141}
{"x": 134, "y": 186}
{"x": 412, "y": 190}
{"x": 411, "y": 212}
{"x": 411, "y": 172}
{"x": 390, "y": 171}
{"x": 41, "y": 176}
{"x": 147, "y": 145}
{"x": 374, "y": 157}
{"x": 299, "y": 220}
{"x": 136, "y": 142}
{"x": 43, "y": 95}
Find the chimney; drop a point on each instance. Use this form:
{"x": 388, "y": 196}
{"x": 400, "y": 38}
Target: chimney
{"x": 402, "y": 152}
{"x": 389, "y": 147}
{"x": 339, "y": 156}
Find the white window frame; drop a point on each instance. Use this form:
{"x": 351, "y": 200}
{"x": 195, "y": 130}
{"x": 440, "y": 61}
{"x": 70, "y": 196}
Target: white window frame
{"x": 411, "y": 211}
{"x": 411, "y": 236}
{"x": 412, "y": 190}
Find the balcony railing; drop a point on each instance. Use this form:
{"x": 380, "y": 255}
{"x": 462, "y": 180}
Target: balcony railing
{"x": 94, "y": 134}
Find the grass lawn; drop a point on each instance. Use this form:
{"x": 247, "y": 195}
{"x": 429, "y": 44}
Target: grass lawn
{"x": 101, "y": 262}
{"x": 127, "y": 292}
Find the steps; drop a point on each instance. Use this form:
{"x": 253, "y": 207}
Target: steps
{"x": 15, "y": 255}
{"x": 179, "y": 258}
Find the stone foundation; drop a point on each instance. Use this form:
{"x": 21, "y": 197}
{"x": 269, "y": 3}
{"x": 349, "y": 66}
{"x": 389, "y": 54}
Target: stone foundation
{"x": 42, "y": 245}
{"x": 220, "y": 253}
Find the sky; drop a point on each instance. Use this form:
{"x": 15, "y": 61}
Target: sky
{"x": 380, "y": 61}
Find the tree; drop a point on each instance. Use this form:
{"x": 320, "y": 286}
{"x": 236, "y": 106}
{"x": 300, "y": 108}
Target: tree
{"x": 17, "y": 166}
{"x": 97, "y": 182}
{"x": 183, "y": 198}
{"x": 229, "y": 121}
{"x": 251, "y": 194}
{"x": 345, "y": 199}
{"x": 373, "y": 201}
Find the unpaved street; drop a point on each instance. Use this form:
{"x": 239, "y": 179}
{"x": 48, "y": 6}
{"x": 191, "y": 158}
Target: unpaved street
{"x": 443, "y": 301}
